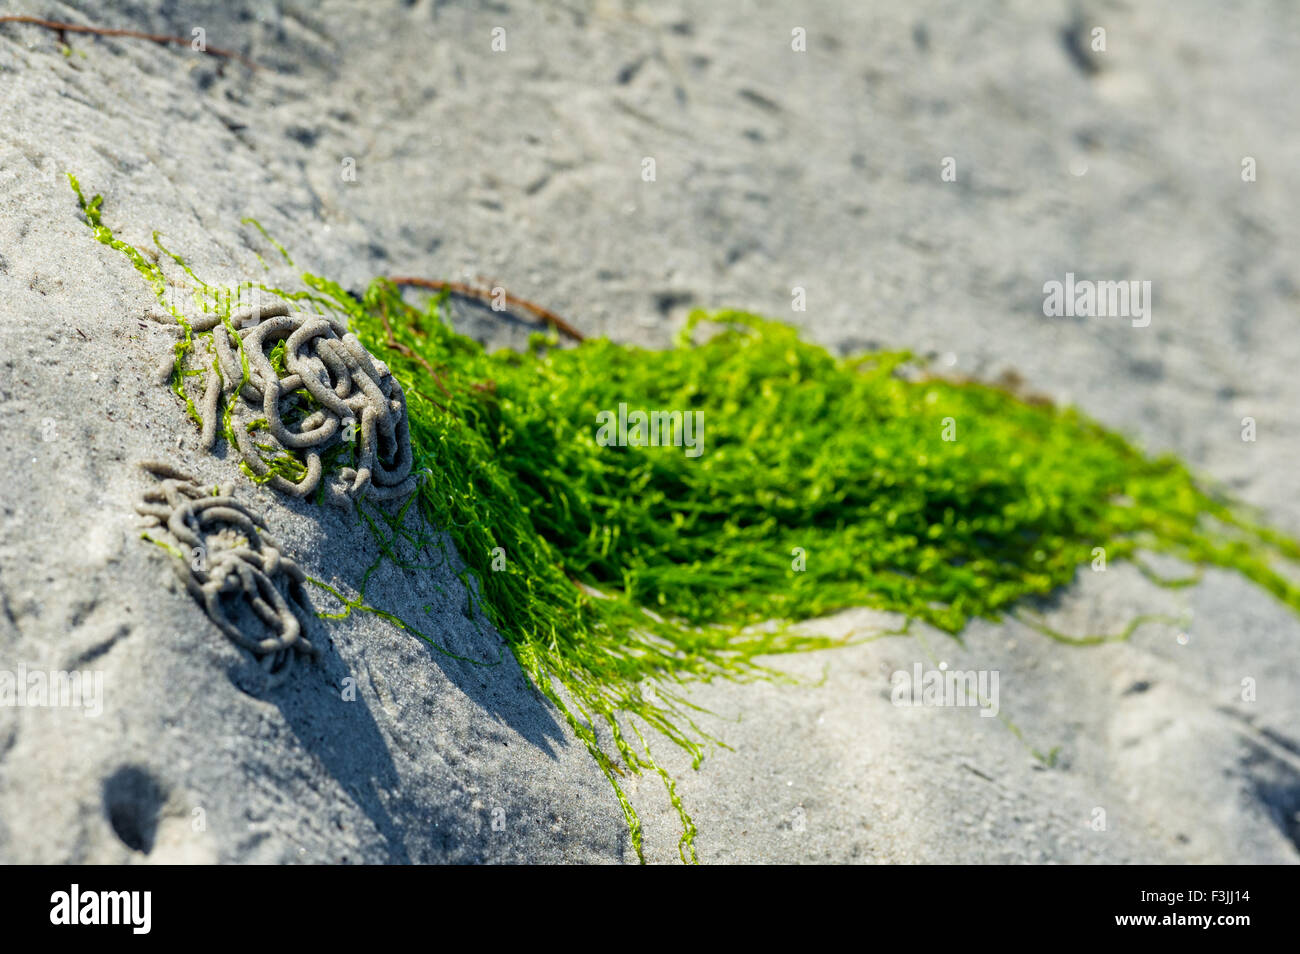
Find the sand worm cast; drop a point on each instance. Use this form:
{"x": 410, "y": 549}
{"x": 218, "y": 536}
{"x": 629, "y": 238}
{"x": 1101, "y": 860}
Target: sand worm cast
{"x": 231, "y": 565}
{"x": 349, "y": 396}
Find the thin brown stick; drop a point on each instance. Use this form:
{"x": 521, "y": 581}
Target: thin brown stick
{"x": 135, "y": 34}
{"x": 482, "y": 294}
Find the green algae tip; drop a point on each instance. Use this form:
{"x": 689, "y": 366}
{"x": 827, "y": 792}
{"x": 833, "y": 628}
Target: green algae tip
{"x": 822, "y": 483}
{"x": 249, "y": 220}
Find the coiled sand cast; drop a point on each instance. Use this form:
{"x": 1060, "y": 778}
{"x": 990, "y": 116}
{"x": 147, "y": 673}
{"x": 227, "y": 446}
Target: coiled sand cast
{"x": 224, "y": 556}
{"x": 356, "y": 398}
{"x": 221, "y": 549}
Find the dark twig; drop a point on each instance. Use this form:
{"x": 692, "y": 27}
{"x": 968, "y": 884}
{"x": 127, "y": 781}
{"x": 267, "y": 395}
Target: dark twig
{"x": 162, "y": 38}
{"x": 482, "y": 294}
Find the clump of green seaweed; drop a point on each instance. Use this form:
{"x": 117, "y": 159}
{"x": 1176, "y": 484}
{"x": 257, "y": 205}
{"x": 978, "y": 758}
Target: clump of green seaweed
{"x": 826, "y": 483}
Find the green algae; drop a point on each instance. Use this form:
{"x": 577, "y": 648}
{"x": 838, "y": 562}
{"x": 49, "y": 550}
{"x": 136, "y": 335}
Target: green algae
{"x": 618, "y": 575}
{"x": 249, "y": 220}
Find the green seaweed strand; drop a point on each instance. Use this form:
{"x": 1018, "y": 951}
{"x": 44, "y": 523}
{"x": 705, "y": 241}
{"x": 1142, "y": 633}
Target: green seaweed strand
{"x": 267, "y": 235}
